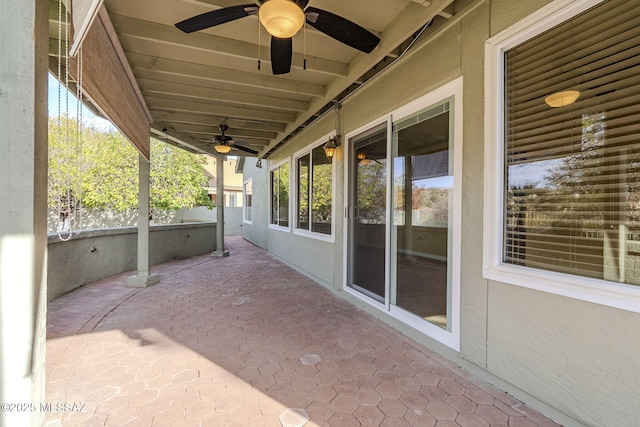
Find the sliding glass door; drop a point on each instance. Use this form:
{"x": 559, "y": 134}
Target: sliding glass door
{"x": 368, "y": 210}
{"x": 422, "y": 203}
{"x": 402, "y": 209}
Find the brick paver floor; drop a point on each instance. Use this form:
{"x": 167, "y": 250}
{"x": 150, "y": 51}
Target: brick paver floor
{"x": 247, "y": 341}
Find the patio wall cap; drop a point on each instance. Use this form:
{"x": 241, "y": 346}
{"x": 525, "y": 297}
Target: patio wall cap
{"x": 53, "y": 238}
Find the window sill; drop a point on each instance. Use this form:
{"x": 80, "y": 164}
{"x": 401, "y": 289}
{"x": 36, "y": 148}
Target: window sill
{"x": 279, "y": 228}
{"x": 318, "y": 236}
{"x": 603, "y": 292}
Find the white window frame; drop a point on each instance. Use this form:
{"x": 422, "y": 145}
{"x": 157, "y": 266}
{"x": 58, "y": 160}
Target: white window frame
{"x": 626, "y": 297}
{"x": 271, "y": 169}
{"x": 244, "y": 201}
{"x": 452, "y": 89}
{"x": 308, "y": 233}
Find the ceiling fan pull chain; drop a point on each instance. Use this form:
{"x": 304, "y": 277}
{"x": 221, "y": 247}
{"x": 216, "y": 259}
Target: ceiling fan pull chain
{"x": 304, "y": 46}
{"x": 259, "y": 45}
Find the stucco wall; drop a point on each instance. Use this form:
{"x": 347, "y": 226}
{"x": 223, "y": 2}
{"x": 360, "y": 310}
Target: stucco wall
{"x": 573, "y": 360}
{"x": 578, "y": 356}
{"x": 96, "y": 254}
{"x": 232, "y": 218}
{"x": 23, "y": 190}
{"x": 312, "y": 257}
{"x": 257, "y": 231}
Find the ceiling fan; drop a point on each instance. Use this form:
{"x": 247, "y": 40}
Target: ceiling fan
{"x": 224, "y": 143}
{"x": 283, "y": 19}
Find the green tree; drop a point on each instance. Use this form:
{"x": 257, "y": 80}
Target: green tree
{"x": 111, "y": 177}
{"x": 371, "y": 191}
{"x": 99, "y": 170}
{"x": 177, "y": 178}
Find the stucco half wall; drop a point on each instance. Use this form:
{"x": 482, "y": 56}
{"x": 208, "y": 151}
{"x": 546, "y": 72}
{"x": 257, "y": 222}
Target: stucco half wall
{"x": 96, "y": 254}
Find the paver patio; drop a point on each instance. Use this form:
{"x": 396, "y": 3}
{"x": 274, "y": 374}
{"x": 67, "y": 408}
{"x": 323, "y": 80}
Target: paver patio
{"x": 247, "y": 341}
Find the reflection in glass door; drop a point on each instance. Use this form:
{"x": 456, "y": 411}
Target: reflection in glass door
{"x": 368, "y": 210}
{"x": 422, "y": 205}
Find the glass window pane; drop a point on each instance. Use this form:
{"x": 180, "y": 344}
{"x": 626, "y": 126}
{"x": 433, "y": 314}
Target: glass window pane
{"x": 275, "y": 189}
{"x": 422, "y": 202}
{"x": 368, "y": 197}
{"x": 572, "y": 194}
{"x": 303, "y": 192}
{"x": 322, "y": 192}
{"x": 283, "y": 195}
{"x": 248, "y": 195}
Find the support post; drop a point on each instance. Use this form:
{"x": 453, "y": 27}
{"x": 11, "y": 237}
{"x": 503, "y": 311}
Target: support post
{"x": 143, "y": 278}
{"x": 24, "y": 32}
{"x": 220, "y": 252}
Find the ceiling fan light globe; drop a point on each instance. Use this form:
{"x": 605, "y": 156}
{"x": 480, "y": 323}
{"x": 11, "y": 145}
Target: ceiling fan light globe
{"x": 281, "y": 18}
{"x": 222, "y": 149}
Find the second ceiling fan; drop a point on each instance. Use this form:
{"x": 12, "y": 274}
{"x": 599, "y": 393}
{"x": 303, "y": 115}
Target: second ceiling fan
{"x": 224, "y": 143}
{"x": 283, "y": 19}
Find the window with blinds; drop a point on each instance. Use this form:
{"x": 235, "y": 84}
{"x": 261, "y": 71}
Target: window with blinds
{"x": 572, "y": 166}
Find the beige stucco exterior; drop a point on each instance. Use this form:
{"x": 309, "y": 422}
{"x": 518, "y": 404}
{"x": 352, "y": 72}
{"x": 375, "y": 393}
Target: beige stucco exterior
{"x": 23, "y": 212}
{"x": 232, "y": 181}
{"x": 574, "y": 360}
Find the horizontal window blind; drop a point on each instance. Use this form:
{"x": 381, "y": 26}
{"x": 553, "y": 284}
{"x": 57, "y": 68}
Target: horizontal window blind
{"x": 573, "y": 172}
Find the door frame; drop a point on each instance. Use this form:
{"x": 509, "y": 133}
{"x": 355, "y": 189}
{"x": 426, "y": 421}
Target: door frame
{"x": 451, "y": 337}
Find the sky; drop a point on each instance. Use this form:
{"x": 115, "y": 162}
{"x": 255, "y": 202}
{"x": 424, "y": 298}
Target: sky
{"x": 87, "y": 116}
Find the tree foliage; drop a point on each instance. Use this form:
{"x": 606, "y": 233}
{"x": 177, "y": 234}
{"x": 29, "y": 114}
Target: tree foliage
{"x": 371, "y": 191}
{"x": 593, "y": 184}
{"x": 95, "y": 169}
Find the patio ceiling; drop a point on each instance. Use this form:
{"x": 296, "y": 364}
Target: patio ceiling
{"x": 193, "y": 82}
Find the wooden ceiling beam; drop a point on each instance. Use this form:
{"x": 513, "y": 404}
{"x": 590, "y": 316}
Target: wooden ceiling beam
{"x": 168, "y": 39}
{"x": 174, "y": 137}
{"x": 168, "y": 67}
{"x": 166, "y": 104}
{"x": 168, "y": 117}
{"x": 157, "y": 87}
{"x": 237, "y": 132}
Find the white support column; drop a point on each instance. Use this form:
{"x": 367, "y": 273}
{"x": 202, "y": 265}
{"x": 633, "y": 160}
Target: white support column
{"x": 220, "y": 252}
{"x": 143, "y": 278}
{"x": 23, "y": 211}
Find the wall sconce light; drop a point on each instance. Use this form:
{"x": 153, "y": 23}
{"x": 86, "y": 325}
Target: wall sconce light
{"x": 222, "y": 149}
{"x": 259, "y": 164}
{"x": 281, "y": 18}
{"x": 330, "y": 147}
{"x": 562, "y": 99}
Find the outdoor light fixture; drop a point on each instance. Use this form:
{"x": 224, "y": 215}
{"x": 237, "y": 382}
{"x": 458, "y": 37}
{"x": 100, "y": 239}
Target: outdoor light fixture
{"x": 362, "y": 159}
{"x": 281, "y": 18}
{"x": 222, "y": 149}
{"x": 330, "y": 147}
{"x": 561, "y": 99}
{"x": 259, "y": 164}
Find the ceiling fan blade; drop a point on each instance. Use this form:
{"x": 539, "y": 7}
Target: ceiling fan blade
{"x": 241, "y": 148}
{"x": 342, "y": 29}
{"x": 281, "y": 51}
{"x": 217, "y": 17}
